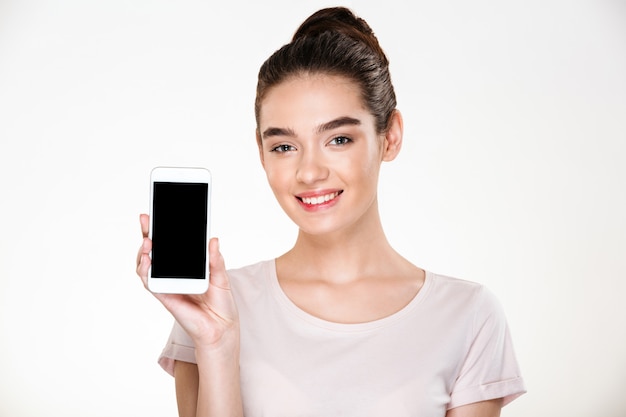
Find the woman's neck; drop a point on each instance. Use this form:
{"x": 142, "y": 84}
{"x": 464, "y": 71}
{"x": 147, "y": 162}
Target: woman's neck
{"x": 349, "y": 277}
{"x": 344, "y": 255}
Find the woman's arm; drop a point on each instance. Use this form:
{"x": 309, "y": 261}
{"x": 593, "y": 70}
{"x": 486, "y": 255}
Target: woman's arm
{"x": 219, "y": 388}
{"x": 198, "y": 387}
{"x": 489, "y": 408}
{"x": 186, "y": 376}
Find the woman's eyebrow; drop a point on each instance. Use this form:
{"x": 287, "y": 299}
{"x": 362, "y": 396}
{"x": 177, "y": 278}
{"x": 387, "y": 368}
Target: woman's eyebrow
{"x": 324, "y": 127}
{"x": 339, "y": 122}
{"x": 277, "y": 131}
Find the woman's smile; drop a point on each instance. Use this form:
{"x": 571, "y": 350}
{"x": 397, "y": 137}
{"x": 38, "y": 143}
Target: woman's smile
{"x": 319, "y": 200}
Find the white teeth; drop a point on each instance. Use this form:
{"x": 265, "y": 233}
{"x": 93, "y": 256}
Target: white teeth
{"x": 319, "y": 200}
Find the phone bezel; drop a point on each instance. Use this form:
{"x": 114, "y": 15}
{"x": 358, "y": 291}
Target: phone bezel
{"x": 180, "y": 174}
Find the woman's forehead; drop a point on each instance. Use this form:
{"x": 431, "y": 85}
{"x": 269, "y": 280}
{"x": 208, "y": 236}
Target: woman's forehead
{"x": 312, "y": 99}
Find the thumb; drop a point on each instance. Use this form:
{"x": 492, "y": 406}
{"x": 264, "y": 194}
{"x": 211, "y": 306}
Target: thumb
{"x": 217, "y": 268}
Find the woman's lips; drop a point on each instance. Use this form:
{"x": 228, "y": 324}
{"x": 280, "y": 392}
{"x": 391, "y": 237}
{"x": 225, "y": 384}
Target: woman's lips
{"x": 322, "y": 199}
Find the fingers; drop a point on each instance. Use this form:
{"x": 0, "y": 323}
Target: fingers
{"x": 144, "y": 220}
{"x": 143, "y": 255}
{"x": 144, "y": 261}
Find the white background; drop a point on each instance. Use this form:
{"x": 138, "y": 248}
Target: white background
{"x": 513, "y": 174}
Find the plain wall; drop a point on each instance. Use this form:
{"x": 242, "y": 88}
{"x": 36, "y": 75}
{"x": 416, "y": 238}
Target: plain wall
{"x": 512, "y": 174}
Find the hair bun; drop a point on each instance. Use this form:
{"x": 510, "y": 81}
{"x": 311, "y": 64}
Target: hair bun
{"x": 334, "y": 41}
{"x": 340, "y": 20}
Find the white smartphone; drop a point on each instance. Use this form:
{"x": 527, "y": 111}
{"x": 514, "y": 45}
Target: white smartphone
{"x": 180, "y": 201}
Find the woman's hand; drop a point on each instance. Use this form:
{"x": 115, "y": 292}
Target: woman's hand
{"x": 210, "y": 319}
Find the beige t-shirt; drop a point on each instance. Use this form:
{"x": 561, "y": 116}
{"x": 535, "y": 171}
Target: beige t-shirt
{"x": 448, "y": 347}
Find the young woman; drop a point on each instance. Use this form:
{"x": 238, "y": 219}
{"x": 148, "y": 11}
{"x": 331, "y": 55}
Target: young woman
{"x": 341, "y": 324}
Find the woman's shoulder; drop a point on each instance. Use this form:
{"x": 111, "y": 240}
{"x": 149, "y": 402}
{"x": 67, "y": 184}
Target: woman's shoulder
{"x": 251, "y": 276}
{"x": 451, "y": 283}
{"x": 447, "y": 289}
{"x": 250, "y": 270}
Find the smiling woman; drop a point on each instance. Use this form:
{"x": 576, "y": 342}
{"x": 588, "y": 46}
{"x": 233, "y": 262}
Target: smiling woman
{"x": 341, "y": 324}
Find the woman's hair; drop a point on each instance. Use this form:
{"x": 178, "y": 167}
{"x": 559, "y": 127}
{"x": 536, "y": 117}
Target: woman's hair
{"x": 336, "y": 42}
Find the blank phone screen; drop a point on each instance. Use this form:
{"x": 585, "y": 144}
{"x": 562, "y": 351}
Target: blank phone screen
{"x": 179, "y": 230}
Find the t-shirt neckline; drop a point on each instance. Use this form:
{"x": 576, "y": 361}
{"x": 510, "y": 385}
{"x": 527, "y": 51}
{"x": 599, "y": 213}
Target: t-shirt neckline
{"x": 288, "y": 305}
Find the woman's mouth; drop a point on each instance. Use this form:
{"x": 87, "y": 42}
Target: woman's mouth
{"x": 319, "y": 199}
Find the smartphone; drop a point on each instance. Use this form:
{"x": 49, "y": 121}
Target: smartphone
{"x": 180, "y": 200}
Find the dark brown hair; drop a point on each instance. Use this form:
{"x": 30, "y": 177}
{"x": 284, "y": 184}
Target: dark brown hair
{"x": 336, "y": 42}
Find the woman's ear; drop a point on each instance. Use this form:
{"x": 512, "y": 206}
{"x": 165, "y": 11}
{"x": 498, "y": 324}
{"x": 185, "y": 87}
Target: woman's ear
{"x": 260, "y": 145}
{"x": 393, "y": 137}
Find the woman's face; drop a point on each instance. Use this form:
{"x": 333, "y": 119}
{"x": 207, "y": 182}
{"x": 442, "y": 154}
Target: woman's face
{"x": 321, "y": 152}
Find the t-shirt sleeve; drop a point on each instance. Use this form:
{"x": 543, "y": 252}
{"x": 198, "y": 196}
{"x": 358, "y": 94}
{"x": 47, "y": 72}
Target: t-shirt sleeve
{"x": 179, "y": 347}
{"x": 490, "y": 369}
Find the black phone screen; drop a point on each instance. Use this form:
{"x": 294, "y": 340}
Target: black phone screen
{"x": 179, "y": 230}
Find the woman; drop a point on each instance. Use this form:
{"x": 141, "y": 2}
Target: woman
{"x": 341, "y": 324}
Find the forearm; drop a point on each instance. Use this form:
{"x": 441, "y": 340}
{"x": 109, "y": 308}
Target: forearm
{"x": 219, "y": 390}
{"x": 490, "y": 408}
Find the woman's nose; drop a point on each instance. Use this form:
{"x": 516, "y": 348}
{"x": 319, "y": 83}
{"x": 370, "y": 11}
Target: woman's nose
{"x": 311, "y": 168}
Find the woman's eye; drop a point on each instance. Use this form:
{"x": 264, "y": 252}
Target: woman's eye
{"x": 282, "y": 148}
{"x": 340, "y": 140}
